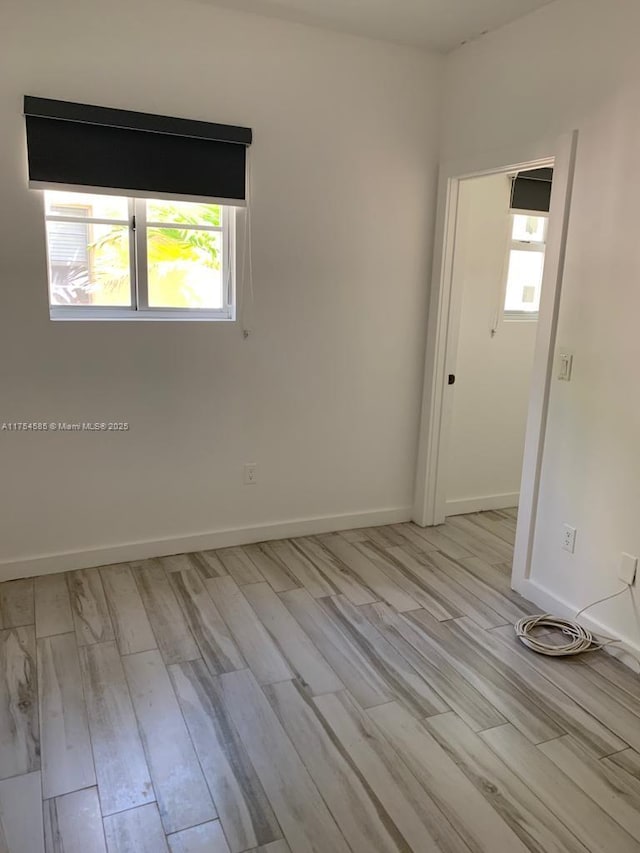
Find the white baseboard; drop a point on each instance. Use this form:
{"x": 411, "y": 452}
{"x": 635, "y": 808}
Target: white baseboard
{"x": 627, "y": 651}
{"x": 481, "y": 504}
{"x": 51, "y": 563}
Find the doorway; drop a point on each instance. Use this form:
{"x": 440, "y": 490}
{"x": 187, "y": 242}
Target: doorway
{"x": 430, "y": 504}
{"x": 498, "y": 263}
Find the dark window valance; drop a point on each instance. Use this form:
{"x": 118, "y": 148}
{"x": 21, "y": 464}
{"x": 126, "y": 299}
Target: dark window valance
{"x": 134, "y": 154}
{"x": 531, "y": 190}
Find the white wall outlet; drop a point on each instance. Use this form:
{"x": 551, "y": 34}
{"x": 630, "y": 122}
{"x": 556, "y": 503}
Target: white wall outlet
{"x": 628, "y": 568}
{"x": 250, "y": 474}
{"x": 568, "y": 538}
{"x": 565, "y": 366}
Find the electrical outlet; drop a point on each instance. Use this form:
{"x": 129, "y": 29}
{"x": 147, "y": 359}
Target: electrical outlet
{"x": 568, "y": 538}
{"x": 628, "y": 569}
{"x": 250, "y": 474}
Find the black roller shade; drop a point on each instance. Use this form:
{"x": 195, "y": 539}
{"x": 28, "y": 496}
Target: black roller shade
{"x": 531, "y": 190}
{"x": 139, "y": 154}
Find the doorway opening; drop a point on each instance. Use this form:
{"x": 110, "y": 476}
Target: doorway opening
{"x": 497, "y": 273}
{"x": 491, "y": 343}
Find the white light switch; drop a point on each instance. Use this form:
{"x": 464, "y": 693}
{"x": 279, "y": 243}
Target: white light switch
{"x": 565, "y": 365}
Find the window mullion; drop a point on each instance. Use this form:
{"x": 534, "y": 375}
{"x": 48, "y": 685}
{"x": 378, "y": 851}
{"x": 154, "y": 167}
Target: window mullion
{"x": 141, "y": 253}
{"x": 91, "y": 220}
{"x": 132, "y": 254}
{"x": 227, "y": 272}
{"x": 183, "y": 226}
{"x": 526, "y": 246}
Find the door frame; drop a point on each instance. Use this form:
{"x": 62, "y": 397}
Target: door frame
{"x": 442, "y": 336}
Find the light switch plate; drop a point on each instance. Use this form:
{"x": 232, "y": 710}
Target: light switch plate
{"x": 565, "y": 366}
{"x": 250, "y": 474}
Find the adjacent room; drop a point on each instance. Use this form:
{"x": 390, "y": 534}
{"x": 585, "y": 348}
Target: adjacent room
{"x": 497, "y": 272}
{"x": 318, "y": 426}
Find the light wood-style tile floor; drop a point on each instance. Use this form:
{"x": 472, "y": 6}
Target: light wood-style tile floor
{"x": 360, "y": 691}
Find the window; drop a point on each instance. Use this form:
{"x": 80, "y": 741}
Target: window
{"x": 525, "y": 265}
{"x": 168, "y": 253}
{"x": 111, "y": 257}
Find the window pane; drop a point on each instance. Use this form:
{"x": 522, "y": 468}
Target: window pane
{"x": 524, "y": 281}
{"x": 185, "y": 268}
{"x": 529, "y": 228}
{"x": 84, "y": 204}
{"x": 88, "y": 264}
{"x": 184, "y": 212}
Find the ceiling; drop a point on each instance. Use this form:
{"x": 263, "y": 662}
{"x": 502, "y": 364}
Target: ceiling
{"x": 437, "y": 24}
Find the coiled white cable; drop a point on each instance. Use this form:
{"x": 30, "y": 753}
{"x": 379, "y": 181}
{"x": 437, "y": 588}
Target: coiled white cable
{"x": 581, "y": 639}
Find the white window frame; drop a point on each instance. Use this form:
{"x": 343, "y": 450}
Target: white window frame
{"x": 140, "y": 309}
{"x": 521, "y": 246}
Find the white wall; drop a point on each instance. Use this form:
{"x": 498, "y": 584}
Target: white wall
{"x": 576, "y": 63}
{"x": 325, "y": 394}
{"x": 490, "y": 398}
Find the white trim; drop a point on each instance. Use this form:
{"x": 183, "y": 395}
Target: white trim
{"x": 140, "y": 238}
{"x": 526, "y": 246}
{"x": 517, "y": 211}
{"x": 544, "y": 355}
{"x": 627, "y": 650}
{"x": 461, "y": 506}
{"x": 102, "y": 313}
{"x": 229, "y": 261}
{"x": 133, "y": 257}
{"x": 45, "y": 564}
{"x": 430, "y": 497}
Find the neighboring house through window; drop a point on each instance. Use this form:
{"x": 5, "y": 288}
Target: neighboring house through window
{"x": 69, "y": 254}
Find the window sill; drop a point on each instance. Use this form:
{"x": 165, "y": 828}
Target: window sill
{"x": 184, "y": 315}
